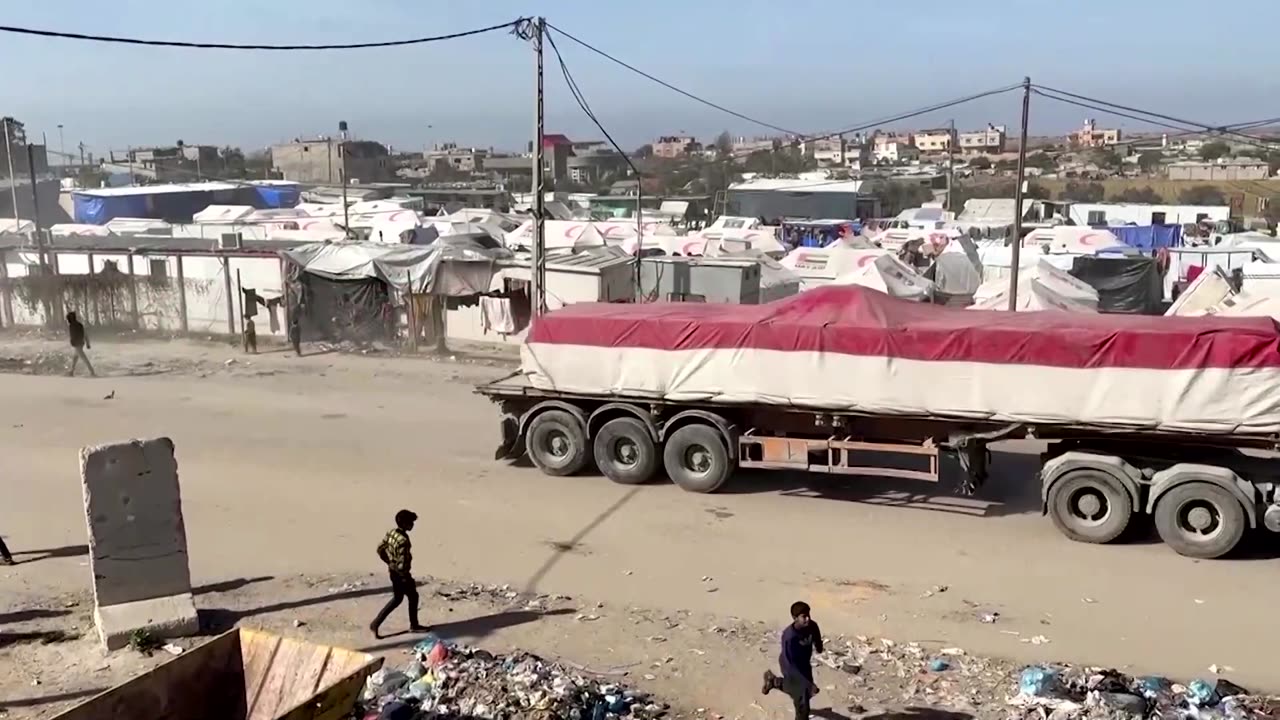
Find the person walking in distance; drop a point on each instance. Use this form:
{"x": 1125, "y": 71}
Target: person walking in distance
{"x": 799, "y": 641}
{"x": 79, "y": 342}
{"x": 395, "y": 551}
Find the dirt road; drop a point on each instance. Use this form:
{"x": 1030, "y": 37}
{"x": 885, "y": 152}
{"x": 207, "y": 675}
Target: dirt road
{"x": 294, "y": 467}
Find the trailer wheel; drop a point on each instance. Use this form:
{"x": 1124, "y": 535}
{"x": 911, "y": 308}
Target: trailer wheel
{"x": 557, "y": 443}
{"x": 1200, "y": 520}
{"x": 696, "y": 459}
{"x": 1089, "y": 506}
{"x": 625, "y": 451}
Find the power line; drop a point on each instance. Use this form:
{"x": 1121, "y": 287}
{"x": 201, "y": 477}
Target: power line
{"x": 1201, "y": 129}
{"x": 237, "y": 46}
{"x": 669, "y": 86}
{"x": 1224, "y": 129}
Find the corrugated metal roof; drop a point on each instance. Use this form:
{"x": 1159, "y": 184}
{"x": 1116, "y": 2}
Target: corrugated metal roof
{"x": 799, "y": 185}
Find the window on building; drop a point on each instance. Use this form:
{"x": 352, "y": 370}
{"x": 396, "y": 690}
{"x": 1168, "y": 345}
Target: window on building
{"x": 158, "y": 268}
{"x": 1097, "y": 217}
{"x": 1157, "y": 218}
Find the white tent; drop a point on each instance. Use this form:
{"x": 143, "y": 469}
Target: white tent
{"x": 1071, "y": 239}
{"x": 889, "y": 275}
{"x": 821, "y": 266}
{"x": 223, "y": 214}
{"x": 1203, "y": 295}
{"x": 1041, "y": 286}
{"x": 1262, "y": 278}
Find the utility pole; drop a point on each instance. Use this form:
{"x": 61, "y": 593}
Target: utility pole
{"x": 130, "y": 152}
{"x": 342, "y": 175}
{"x": 46, "y": 293}
{"x": 1017, "y": 198}
{"x": 537, "y": 275}
{"x": 13, "y": 178}
{"x": 62, "y": 147}
{"x": 951, "y": 162}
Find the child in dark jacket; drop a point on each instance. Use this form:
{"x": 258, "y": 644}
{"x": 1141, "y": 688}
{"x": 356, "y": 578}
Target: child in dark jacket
{"x": 799, "y": 641}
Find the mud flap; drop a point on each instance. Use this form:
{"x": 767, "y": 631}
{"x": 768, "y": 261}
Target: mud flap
{"x": 512, "y": 445}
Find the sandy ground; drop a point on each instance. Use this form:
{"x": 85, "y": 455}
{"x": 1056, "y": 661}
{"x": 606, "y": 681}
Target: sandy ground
{"x": 291, "y": 469}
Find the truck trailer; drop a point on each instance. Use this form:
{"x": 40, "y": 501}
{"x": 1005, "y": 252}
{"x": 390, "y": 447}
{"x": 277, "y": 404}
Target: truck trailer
{"x": 1176, "y": 418}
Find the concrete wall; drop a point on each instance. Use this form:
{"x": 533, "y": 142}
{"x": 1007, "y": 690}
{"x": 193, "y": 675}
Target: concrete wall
{"x": 154, "y": 289}
{"x": 137, "y": 539}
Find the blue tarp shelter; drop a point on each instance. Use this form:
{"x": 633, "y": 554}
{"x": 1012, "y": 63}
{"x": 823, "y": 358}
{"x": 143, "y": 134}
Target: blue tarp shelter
{"x": 177, "y": 203}
{"x": 278, "y": 195}
{"x": 1149, "y": 237}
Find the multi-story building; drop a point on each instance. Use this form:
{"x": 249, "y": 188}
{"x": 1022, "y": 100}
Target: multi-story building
{"x": 324, "y": 160}
{"x": 459, "y": 159}
{"x": 674, "y": 146}
{"x": 746, "y": 146}
{"x": 173, "y": 163}
{"x": 989, "y": 140}
{"x": 827, "y": 152}
{"x": 1090, "y": 135}
{"x": 892, "y": 148}
{"x": 935, "y": 140}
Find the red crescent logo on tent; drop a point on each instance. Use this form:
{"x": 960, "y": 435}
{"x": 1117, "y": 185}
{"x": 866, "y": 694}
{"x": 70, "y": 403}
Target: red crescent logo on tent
{"x": 865, "y": 260}
{"x": 307, "y": 225}
{"x": 649, "y": 226}
{"x": 693, "y": 246}
{"x": 1084, "y": 239}
{"x": 572, "y": 230}
{"x": 396, "y": 214}
{"x": 614, "y": 232}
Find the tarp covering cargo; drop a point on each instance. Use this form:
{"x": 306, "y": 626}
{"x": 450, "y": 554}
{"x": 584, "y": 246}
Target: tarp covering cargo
{"x": 1040, "y": 287}
{"x": 857, "y": 350}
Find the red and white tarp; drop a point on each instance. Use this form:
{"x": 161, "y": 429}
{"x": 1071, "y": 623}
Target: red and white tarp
{"x": 854, "y": 349}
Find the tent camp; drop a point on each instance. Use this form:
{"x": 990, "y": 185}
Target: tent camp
{"x": 821, "y": 266}
{"x": 1041, "y": 286}
{"x": 1071, "y": 240}
{"x": 889, "y": 275}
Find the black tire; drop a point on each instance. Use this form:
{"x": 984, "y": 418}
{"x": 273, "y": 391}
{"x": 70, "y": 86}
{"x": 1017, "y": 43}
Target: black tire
{"x": 1200, "y": 520}
{"x": 625, "y": 452}
{"x": 557, "y": 443}
{"x": 696, "y": 459}
{"x": 1090, "y": 506}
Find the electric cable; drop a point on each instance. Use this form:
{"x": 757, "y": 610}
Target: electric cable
{"x": 238, "y": 46}
{"x": 669, "y": 86}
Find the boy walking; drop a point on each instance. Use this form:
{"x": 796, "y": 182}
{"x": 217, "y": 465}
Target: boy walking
{"x": 79, "y": 343}
{"x": 395, "y": 551}
{"x": 799, "y": 641}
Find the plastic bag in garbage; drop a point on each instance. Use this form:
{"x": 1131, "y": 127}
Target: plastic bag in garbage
{"x": 1153, "y": 686}
{"x": 415, "y": 670}
{"x": 425, "y": 645}
{"x": 384, "y": 682}
{"x": 1202, "y": 693}
{"x": 1039, "y": 681}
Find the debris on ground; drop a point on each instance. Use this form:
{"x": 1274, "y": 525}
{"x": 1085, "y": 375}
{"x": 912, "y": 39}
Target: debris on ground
{"x": 443, "y": 680}
{"x": 1066, "y": 693}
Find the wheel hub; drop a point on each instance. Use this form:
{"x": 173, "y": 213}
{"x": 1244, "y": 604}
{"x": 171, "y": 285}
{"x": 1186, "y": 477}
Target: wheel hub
{"x": 698, "y": 459}
{"x": 558, "y": 444}
{"x": 1090, "y": 505}
{"x": 626, "y": 452}
{"x": 1201, "y": 519}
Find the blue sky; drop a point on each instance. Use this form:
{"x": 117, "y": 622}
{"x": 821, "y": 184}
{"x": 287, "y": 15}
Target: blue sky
{"x": 807, "y": 65}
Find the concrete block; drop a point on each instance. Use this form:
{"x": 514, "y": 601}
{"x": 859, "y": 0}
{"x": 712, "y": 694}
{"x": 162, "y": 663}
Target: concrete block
{"x": 166, "y": 617}
{"x": 137, "y": 539}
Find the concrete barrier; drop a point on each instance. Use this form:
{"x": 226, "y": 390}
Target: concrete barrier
{"x": 137, "y": 541}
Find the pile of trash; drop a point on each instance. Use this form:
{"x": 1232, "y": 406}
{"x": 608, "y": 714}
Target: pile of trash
{"x": 453, "y": 681}
{"x": 1063, "y": 693}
